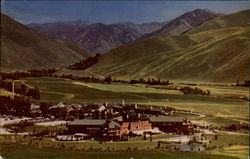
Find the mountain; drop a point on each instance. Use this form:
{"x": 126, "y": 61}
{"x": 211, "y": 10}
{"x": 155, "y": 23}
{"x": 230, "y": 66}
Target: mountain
{"x": 23, "y": 48}
{"x": 97, "y": 37}
{"x": 220, "y": 54}
{"x": 240, "y": 18}
{"x": 183, "y": 23}
{"x": 215, "y": 56}
{"x": 141, "y": 29}
{"x": 100, "y": 38}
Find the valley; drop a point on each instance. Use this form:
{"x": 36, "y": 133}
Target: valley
{"x": 178, "y": 88}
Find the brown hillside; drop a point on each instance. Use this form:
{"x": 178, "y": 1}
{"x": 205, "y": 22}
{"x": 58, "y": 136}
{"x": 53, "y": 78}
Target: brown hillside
{"x": 23, "y": 48}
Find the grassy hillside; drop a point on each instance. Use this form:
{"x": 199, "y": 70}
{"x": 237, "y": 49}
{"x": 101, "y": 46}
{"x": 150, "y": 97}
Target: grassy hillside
{"x": 240, "y": 18}
{"x": 216, "y": 56}
{"x": 23, "y": 48}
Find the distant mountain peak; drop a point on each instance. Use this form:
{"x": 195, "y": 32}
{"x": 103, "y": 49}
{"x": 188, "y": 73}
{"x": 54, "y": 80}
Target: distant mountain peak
{"x": 183, "y": 23}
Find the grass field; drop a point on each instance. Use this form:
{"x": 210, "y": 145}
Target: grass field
{"x": 24, "y": 152}
{"x": 56, "y": 89}
{"x": 220, "y": 110}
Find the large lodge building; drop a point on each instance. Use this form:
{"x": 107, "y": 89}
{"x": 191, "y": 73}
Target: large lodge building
{"x": 131, "y": 124}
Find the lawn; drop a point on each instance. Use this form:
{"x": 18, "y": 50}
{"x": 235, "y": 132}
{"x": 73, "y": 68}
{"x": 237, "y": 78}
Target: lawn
{"x": 233, "y": 145}
{"x": 24, "y": 152}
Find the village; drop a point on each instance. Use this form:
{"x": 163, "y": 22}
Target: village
{"x": 111, "y": 122}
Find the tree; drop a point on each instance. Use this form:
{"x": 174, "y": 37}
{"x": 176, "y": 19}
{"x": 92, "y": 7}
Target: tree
{"x": 36, "y": 93}
{"x": 108, "y": 79}
{"x": 44, "y": 107}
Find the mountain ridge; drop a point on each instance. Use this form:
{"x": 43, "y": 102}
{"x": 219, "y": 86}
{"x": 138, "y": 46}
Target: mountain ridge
{"x": 219, "y": 54}
{"x": 97, "y": 37}
{"x": 183, "y": 23}
{"x": 23, "y": 48}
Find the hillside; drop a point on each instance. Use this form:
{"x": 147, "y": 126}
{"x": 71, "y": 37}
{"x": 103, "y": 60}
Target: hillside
{"x": 183, "y": 23}
{"x": 97, "y": 37}
{"x": 23, "y": 48}
{"x": 216, "y": 56}
{"x": 241, "y": 18}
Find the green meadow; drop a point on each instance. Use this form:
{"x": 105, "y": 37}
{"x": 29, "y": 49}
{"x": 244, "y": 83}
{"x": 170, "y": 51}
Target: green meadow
{"x": 219, "y": 110}
{"x": 24, "y": 152}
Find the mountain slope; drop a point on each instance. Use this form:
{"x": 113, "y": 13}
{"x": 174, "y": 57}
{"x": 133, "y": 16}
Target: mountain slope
{"x": 23, "y": 48}
{"x": 241, "y": 18}
{"x": 219, "y": 54}
{"x": 183, "y": 23}
{"x": 216, "y": 55}
{"x": 97, "y": 37}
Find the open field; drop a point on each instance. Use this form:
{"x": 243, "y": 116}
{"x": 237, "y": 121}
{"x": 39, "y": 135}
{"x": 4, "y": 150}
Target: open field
{"x": 227, "y": 145}
{"x": 56, "y": 89}
{"x": 233, "y": 145}
{"x": 219, "y": 110}
{"x": 24, "y": 152}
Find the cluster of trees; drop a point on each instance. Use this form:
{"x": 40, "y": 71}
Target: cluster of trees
{"x": 21, "y": 89}
{"x": 150, "y": 81}
{"x": 85, "y": 78}
{"x": 31, "y": 73}
{"x": 196, "y": 91}
{"x": 42, "y": 73}
{"x": 243, "y": 84}
{"x": 19, "y": 106}
{"x": 84, "y": 64}
{"x": 19, "y": 127}
{"x": 237, "y": 127}
{"x": 92, "y": 79}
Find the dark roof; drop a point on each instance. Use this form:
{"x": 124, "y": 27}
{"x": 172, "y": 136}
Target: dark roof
{"x": 166, "y": 119}
{"x": 98, "y": 122}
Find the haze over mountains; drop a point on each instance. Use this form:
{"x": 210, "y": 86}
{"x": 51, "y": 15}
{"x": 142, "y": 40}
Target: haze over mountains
{"x": 217, "y": 54}
{"x": 23, "y": 48}
{"x": 100, "y": 38}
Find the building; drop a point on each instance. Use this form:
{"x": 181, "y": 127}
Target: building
{"x": 96, "y": 128}
{"x": 92, "y": 127}
{"x": 127, "y": 127}
{"x": 176, "y": 125}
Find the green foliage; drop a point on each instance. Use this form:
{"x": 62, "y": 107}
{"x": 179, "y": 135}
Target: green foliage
{"x": 19, "y": 127}
{"x": 85, "y": 63}
{"x": 189, "y": 90}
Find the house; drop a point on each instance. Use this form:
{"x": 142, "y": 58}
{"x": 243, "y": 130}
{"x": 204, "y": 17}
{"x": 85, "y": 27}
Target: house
{"x": 127, "y": 127}
{"x": 177, "y": 125}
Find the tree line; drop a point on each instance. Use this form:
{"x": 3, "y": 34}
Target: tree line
{"x": 196, "y": 91}
{"x": 30, "y": 73}
{"x": 85, "y": 63}
{"x": 150, "y": 81}
{"x": 21, "y": 88}
{"x": 19, "y": 106}
{"x": 246, "y": 83}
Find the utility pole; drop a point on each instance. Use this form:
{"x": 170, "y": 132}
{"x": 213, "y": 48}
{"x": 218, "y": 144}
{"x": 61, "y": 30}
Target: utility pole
{"x": 13, "y": 89}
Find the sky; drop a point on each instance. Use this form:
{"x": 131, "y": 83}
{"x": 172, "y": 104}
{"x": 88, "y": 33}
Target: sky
{"x": 111, "y": 11}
